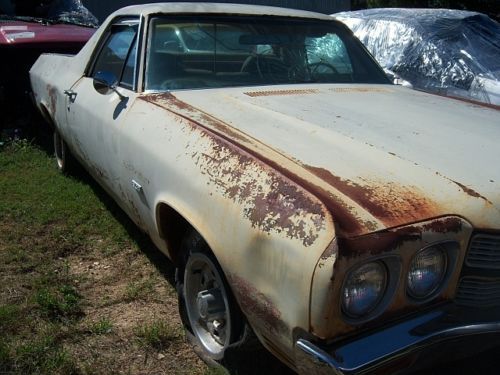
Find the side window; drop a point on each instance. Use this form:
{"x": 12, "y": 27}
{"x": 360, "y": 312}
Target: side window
{"x": 118, "y": 54}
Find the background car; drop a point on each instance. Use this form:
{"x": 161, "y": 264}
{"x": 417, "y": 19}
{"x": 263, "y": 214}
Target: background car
{"x": 448, "y": 52}
{"x": 28, "y": 29}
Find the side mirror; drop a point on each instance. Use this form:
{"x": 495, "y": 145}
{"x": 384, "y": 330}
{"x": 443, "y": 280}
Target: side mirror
{"x": 105, "y": 82}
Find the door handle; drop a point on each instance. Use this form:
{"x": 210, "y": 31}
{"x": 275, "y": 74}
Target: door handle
{"x": 71, "y": 94}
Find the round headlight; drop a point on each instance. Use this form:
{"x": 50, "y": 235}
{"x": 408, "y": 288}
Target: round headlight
{"x": 427, "y": 271}
{"x": 364, "y": 289}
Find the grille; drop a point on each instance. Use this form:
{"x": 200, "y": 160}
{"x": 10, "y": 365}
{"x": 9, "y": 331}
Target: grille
{"x": 484, "y": 252}
{"x": 478, "y": 292}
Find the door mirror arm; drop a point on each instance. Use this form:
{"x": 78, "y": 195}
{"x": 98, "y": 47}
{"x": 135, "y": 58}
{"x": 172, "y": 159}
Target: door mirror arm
{"x": 105, "y": 82}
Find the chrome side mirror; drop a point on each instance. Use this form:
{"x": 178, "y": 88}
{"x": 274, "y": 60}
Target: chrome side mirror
{"x": 106, "y": 82}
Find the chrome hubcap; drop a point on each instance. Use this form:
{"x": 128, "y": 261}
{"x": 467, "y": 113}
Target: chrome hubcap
{"x": 207, "y": 304}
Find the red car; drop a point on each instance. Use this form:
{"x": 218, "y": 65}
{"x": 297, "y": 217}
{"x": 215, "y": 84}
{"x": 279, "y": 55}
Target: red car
{"x": 26, "y": 31}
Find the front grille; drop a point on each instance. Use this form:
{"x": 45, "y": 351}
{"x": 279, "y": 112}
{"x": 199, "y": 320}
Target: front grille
{"x": 484, "y": 252}
{"x": 478, "y": 292}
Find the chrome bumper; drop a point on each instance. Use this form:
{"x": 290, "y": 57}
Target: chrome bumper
{"x": 403, "y": 345}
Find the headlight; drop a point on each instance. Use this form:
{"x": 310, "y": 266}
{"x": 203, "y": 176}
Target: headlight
{"x": 364, "y": 289}
{"x": 427, "y": 271}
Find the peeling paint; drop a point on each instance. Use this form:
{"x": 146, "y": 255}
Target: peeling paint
{"x": 390, "y": 202}
{"x": 270, "y": 201}
{"x": 257, "y": 305}
{"x": 471, "y": 192}
{"x": 53, "y": 99}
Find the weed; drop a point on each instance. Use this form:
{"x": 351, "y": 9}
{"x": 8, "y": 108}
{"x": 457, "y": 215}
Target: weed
{"x": 139, "y": 290}
{"x": 9, "y": 315}
{"x": 59, "y": 303}
{"x": 101, "y": 327}
{"x": 44, "y": 356}
{"x": 158, "y": 334}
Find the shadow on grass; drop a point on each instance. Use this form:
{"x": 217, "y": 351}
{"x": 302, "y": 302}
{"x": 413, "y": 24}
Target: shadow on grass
{"x": 247, "y": 363}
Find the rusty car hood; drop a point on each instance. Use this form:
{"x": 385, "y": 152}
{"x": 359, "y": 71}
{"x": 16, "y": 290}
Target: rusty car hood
{"x": 379, "y": 156}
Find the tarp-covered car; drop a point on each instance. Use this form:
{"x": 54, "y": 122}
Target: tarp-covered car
{"x": 27, "y": 29}
{"x": 351, "y": 223}
{"x": 449, "y": 52}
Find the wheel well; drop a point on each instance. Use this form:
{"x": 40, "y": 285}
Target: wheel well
{"x": 46, "y": 115}
{"x": 173, "y": 228}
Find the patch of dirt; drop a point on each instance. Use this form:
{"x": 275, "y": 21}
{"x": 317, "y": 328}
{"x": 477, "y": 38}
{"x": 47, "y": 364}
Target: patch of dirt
{"x": 105, "y": 283}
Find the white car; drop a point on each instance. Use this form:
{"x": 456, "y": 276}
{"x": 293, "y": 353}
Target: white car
{"x": 351, "y": 224}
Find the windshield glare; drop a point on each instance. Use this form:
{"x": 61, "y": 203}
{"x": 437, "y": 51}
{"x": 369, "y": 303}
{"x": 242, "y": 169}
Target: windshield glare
{"x": 67, "y": 11}
{"x": 186, "y": 53}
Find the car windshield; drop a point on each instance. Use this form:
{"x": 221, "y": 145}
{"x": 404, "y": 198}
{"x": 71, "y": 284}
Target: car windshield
{"x": 48, "y": 11}
{"x": 187, "y": 53}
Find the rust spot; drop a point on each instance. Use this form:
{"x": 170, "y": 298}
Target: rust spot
{"x": 391, "y": 203}
{"x": 378, "y": 243}
{"x": 170, "y": 102}
{"x": 474, "y": 103}
{"x": 471, "y": 192}
{"x": 390, "y": 239}
{"x": 270, "y": 201}
{"x": 446, "y": 225}
{"x": 348, "y": 224}
{"x": 281, "y": 92}
{"x": 257, "y": 305}
{"x": 53, "y": 98}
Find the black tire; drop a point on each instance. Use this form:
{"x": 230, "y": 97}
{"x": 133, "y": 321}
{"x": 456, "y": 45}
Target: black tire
{"x": 196, "y": 313}
{"x": 65, "y": 161}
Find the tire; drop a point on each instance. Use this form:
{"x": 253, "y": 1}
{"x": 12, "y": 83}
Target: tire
{"x": 211, "y": 317}
{"x": 64, "y": 159}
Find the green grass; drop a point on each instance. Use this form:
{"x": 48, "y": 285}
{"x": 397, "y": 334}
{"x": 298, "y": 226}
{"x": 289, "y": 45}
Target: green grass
{"x": 101, "y": 327}
{"x": 139, "y": 290}
{"x": 158, "y": 334}
{"x": 45, "y": 218}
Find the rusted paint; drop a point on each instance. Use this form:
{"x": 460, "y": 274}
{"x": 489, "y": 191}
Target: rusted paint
{"x": 348, "y": 224}
{"x": 52, "y": 91}
{"x": 471, "y": 192}
{"x": 377, "y": 243}
{"x": 474, "y": 103}
{"x": 167, "y": 99}
{"x": 281, "y": 92}
{"x": 444, "y": 225}
{"x": 271, "y": 202}
{"x": 389, "y": 240}
{"x": 389, "y": 203}
{"x": 257, "y": 305}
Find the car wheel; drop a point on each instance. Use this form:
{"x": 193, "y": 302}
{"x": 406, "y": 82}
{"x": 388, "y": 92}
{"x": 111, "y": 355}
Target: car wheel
{"x": 209, "y": 313}
{"x": 64, "y": 159}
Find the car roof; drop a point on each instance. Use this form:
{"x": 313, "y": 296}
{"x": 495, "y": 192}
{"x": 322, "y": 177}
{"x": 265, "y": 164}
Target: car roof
{"x": 217, "y": 8}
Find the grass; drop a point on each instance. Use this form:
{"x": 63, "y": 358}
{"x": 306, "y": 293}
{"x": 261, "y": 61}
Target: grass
{"x": 158, "y": 334}
{"x": 101, "y": 327}
{"x": 73, "y": 296}
{"x": 81, "y": 289}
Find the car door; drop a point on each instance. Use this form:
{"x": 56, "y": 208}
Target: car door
{"x": 95, "y": 118}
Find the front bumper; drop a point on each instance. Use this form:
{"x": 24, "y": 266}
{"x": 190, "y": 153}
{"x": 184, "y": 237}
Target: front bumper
{"x": 408, "y": 344}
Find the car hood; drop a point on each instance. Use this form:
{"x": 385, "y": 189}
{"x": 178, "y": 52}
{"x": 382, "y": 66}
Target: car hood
{"x": 379, "y": 156}
{"x": 23, "y": 33}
